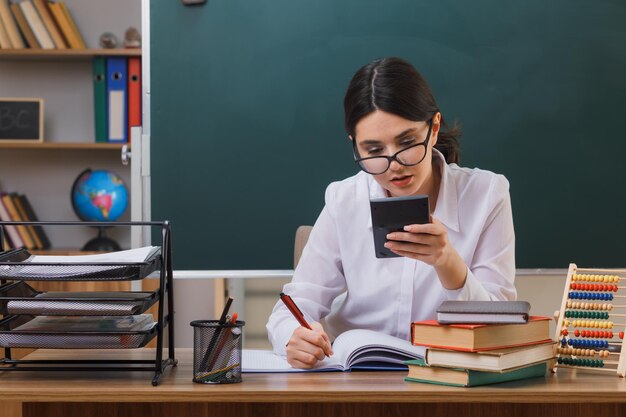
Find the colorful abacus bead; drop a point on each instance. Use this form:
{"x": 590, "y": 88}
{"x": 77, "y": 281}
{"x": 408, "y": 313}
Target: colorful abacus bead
{"x": 586, "y": 314}
{"x": 594, "y": 363}
{"x": 584, "y": 343}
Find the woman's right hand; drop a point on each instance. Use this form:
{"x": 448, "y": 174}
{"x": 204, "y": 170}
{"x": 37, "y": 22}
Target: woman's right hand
{"x": 307, "y": 347}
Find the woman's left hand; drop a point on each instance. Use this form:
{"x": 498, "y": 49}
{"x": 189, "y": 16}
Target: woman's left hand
{"x": 429, "y": 243}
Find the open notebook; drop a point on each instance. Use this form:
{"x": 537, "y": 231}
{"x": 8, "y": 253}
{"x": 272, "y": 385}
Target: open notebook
{"x": 354, "y": 349}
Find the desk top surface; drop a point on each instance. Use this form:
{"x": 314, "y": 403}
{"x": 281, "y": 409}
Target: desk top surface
{"x": 565, "y": 386}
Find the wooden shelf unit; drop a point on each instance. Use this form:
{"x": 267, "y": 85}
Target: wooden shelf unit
{"x": 63, "y": 146}
{"x": 64, "y": 54}
{"x": 64, "y": 79}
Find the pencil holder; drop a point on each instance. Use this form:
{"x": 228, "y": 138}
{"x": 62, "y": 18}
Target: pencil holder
{"x": 217, "y": 351}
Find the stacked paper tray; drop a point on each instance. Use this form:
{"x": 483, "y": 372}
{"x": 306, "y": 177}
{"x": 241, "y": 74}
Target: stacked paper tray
{"x": 21, "y": 298}
{"x": 12, "y": 336}
{"x": 20, "y": 265}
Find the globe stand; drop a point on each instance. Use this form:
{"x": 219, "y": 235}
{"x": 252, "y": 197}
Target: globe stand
{"x": 102, "y": 243}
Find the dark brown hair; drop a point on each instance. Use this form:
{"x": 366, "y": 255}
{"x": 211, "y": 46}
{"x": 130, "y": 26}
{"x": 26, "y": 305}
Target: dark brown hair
{"x": 394, "y": 86}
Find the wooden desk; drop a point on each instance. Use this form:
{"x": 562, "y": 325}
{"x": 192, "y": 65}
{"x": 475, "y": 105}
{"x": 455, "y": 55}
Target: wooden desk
{"x": 311, "y": 394}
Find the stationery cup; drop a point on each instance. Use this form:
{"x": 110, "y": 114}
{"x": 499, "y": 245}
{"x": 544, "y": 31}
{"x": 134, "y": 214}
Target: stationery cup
{"x": 217, "y": 351}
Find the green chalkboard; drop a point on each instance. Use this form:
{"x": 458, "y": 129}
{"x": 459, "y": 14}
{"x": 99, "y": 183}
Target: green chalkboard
{"x": 247, "y": 116}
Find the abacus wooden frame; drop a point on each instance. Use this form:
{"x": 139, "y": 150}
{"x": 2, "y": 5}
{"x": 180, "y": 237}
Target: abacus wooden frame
{"x": 560, "y": 315}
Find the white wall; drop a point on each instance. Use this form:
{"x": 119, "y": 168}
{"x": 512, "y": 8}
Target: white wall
{"x": 544, "y": 292}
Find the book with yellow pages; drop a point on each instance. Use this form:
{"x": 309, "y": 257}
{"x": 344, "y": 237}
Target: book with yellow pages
{"x": 49, "y": 23}
{"x": 458, "y": 377}
{"x": 474, "y": 337}
{"x": 498, "y": 360}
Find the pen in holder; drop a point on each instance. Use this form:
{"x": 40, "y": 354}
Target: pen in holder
{"x": 217, "y": 351}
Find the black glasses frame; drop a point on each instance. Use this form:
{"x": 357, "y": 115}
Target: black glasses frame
{"x": 393, "y": 157}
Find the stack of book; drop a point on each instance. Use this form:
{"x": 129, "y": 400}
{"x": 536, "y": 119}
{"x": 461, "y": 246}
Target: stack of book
{"x": 38, "y": 24}
{"x": 16, "y": 207}
{"x": 471, "y": 354}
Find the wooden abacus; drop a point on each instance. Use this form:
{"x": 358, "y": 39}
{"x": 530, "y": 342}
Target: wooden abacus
{"x": 590, "y": 299}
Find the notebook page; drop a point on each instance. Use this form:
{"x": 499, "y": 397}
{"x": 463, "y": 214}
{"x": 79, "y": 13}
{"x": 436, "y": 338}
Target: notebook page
{"x": 256, "y": 360}
{"x": 359, "y": 345}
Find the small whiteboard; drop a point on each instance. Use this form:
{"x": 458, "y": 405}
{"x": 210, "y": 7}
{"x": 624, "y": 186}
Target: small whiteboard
{"x": 21, "y": 119}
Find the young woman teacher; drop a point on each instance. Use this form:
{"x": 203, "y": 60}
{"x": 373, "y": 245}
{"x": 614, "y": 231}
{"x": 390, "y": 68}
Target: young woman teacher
{"x": 467, "y": 252}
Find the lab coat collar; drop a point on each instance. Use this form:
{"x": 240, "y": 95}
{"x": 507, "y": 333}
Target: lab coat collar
{"x": 447, "y": 201}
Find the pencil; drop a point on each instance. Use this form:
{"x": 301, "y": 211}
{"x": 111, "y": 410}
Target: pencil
{"x": 216, "y": 334}
{"x": 222, "y": 341}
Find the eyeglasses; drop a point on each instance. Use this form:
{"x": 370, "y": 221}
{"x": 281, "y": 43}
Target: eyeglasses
{"x": 409, "y": 156}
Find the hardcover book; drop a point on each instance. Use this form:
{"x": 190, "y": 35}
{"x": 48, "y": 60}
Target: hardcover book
{"x": 498, "y": 360}
{"x": 420, "y": 372}
{"x": 49, "y": 23}
{"x": 17, "y": 202}
{"x": 7, "y": 200}
{"x": 475, "y": 337}
{"x": 36, "y": 24}
{"x": 7, "y": 20}
{"x": 31, "y": 40}
{"x": 452, "y": 311}
{"x": 30, "y": 214}
{"x": 11, "y": 232}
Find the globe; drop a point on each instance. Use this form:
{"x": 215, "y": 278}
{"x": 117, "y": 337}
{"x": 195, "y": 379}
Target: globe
{"x": 99, "y": 195}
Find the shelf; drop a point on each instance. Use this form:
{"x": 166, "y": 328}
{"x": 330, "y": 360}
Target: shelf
{"x": 64, "y": 54}
{"x": 29, "y": 301}
{"x": 80, "y": 270}
{"x": 63, "y": 146}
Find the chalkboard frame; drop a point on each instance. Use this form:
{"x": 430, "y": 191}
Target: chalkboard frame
{"x": 40, "y": 110}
